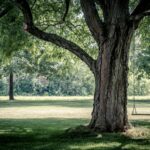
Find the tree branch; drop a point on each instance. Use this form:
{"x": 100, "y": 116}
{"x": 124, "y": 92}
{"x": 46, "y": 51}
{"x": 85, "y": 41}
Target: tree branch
{"x": 92, "y": 19}
{"x": 53, "y": 38}
{"x": 102, "y": 4}
{"x": 4, "y": 11}
{"x": 141, "y": 10}
{"x": 33, "y": 4}
{"x": 146, "y": 13}
{"x": 67, "y": 3}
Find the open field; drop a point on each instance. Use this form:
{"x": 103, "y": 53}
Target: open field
{"x": 61, "y": 107}
{"x": 40, "y": 123}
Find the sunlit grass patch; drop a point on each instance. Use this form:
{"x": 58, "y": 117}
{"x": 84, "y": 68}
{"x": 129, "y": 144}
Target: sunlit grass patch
{"x": 30, "y": 98}
{"x": 94, "y": 146}
{"x": 138, "y": 132}
{"x": 60, "y": 107}
{"x": 139, "y": 97}
{"x": 134, "y": 146}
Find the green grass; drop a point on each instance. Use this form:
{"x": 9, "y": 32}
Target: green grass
{"x": 20, "y": 131}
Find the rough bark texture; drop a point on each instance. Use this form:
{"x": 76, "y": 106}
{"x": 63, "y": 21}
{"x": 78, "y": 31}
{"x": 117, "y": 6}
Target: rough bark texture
{"x": 110, "y": 99}
{"x": 11, "y": 87}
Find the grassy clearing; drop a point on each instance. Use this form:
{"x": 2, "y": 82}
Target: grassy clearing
{"x": 35, "y": 123}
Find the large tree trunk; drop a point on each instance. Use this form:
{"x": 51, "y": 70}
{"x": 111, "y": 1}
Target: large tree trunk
{"x": 110, "y": 99}
{"x": 11, "y": 86}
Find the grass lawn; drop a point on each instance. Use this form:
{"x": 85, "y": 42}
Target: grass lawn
{"x": 39, "y": 123}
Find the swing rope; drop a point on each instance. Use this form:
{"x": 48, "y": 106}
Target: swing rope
{"x": 134, "y": 111}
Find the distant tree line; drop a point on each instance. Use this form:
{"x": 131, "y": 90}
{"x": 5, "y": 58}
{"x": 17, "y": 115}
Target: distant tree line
{"x": 38, "y": 74}
{"x": 31, "y": 85}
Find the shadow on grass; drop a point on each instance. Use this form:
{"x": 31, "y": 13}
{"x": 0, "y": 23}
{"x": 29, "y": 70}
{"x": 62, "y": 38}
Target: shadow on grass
{"x": 139, "y": 103}
{"x": 49, "y": 134}
{"x": 140, "y": 123}
{"x": 64, "y": 103}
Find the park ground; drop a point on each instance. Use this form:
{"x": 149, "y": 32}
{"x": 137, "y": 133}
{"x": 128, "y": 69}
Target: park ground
{"x": 41, "y": 123}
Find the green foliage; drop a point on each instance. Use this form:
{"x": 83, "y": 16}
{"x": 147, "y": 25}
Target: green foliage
{"x": 41, "y": 71}
{"x": 12, "y": 37}
{"x": 138, "y": 86}
{"x": 37, "y": 73}
{"x": 77, "y": 83}
{"x": 143, "y": 59}
{"x": 139, "y": 62}
{"x": 63, "y": 73}
{"x": 133, "y": 4}
{"x": 49, "y": 18}
{"x": 3, "y": 86}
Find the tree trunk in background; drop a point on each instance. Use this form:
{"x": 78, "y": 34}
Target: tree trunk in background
{"x": 110, "y": 99}
{"x": 11, "y": 86}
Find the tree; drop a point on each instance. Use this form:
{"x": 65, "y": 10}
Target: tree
{"x": 7, "y": 69}
{"x": 11, "y": 87}
{"x": 113, "y": 33}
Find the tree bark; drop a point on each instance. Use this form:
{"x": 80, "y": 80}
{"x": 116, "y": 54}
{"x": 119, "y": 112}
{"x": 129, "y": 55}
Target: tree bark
{"x": 110, "y": 99}
{"x": 11, "y": 86}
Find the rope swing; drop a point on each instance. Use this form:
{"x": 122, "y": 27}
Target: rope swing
{"x": 134, "y": 111}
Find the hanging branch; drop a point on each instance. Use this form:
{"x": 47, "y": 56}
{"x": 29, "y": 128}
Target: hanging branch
{"x": 4, "y": 11}
{"x": 92, "y": 19}
{"x": 142, "y": 10}
{"x": 67, "y": 3}
{"x": 53, "y": 38}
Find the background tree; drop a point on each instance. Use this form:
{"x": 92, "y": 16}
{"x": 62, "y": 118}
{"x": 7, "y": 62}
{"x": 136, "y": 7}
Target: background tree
{"x": 112, "y": 25}
{"x": 12, "y": 39}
